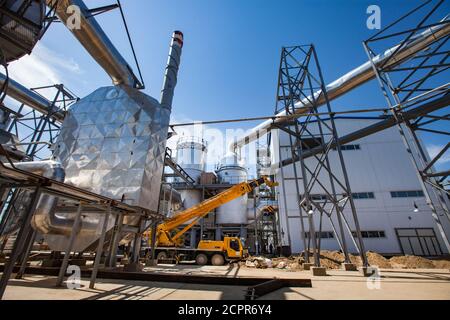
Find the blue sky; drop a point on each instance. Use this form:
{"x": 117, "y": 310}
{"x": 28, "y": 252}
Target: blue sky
{"x": 231, "y": 54}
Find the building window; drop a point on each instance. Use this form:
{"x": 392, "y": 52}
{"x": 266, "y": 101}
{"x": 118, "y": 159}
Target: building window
{"x": 319, "y": 197}
{"x": 323, "y": 235}
{"x": 407, "y": 194}
{"x": 371, "y": 234}
{"x": 363, "y": 195}
{"x": 351, "y": 147}
{"x": 310, "y": 143}
{"x": 356, "y": 196}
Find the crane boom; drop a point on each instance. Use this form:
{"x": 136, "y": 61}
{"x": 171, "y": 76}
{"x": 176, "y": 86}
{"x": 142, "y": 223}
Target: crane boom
{"x": 164, "y": 237}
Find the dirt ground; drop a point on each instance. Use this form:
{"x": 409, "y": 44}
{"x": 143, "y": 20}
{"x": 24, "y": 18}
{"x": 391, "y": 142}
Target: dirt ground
{"x": 333, "y": 260}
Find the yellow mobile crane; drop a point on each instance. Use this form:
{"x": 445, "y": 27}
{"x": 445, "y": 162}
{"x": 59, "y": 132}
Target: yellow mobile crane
{"x": 169, "y": 241}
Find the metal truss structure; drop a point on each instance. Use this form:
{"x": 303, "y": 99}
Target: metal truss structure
{"x": 33, "y": 29}
{"x": 38, "y": 131}
{"x": 424, "y": 79}
{"x": 300, "y": 77}
{"x": 267, "y": 231}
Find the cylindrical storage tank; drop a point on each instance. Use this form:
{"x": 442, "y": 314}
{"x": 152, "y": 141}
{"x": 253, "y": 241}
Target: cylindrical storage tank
{"x": 191, "y": 156}
{"x": 232, "y": 172}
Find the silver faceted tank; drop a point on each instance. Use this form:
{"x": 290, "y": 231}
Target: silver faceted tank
{"x": 113, "y": 143}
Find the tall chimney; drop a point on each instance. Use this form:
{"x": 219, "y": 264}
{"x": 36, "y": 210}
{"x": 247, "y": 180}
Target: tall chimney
{"x": 171, "y": 75}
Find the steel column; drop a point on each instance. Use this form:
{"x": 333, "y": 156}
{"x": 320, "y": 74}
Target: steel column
{"x": 98, "y": 255}
{"x": 112, "y": 261}
{"x": 75, "y": 230}
{"x": 26, "y": 254}
{"x": 19, "y": 243}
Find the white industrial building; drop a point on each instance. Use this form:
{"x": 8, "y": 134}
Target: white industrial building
{"x": 390, "y": 203}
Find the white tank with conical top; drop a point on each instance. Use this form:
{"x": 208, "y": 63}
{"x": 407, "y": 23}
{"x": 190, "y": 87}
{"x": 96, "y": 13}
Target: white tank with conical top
{"x": 191, "y": 156}
{"x": 231, "y": 171}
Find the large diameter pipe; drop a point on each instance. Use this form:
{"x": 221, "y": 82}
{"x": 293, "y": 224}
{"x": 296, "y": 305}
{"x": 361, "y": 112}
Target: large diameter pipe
{"x": 259, "y": 212}
{"x": 45, "y": 219}
{"x": 354, "y": 78}
{"x": 387, "y": 123}
{"x": 172, "y": 68}
{"x": 29, "y": 98}
{"x": 94, "y": 40}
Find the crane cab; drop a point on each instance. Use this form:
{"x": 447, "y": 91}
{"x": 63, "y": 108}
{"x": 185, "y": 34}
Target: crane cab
{"x": 231, "y": 248}
{"x": 218, "y": 252}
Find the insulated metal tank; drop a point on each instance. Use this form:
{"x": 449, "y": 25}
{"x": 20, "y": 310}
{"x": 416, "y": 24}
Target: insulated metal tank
{"x": 231, "y": 171}
{"x": 112, "y": 143}
{"x": 191, "y": 156}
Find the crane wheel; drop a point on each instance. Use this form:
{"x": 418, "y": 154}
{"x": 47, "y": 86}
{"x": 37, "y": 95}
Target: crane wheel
{"x": 201, "y": 259}
{"x": 218, "y": 260}
{"x": 162, "y": 256}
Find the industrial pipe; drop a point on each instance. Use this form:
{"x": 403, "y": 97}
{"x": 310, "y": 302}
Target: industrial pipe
{"x": 95, "y": 41}
{"x": 387, "y": 123}
{"x": 44, "y": 215}
{"x": 169, "y": 193}
{"x": 171, "y": 74}
{"x": 353, "y": 79}
{"x": 259, "y": 212}
{"x": 45, "y": 219}
{"x": 29, "y": 98}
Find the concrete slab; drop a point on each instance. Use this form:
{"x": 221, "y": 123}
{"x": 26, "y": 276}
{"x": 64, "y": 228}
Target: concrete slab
{"x": 319, "y": 271}
{"x": 133, "y": 267}
{"x": 43, "y": 288}
{"x": 308, "y": 266}
{"x": 392, "y": 285}
{"x": 349, "y": 267}
{"x": 341, "y": 285}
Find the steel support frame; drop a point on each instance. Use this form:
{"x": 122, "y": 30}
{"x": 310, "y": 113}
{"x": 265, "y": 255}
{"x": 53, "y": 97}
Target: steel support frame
{"x": 75, "y": 230}
{"x": 112, "y": 258}
{"x": 299, "y": 77}
{"x": 100, "y": 249}
{"x": 44, "y": 129}
{"x": 19, "y": 17}
{"x": 425, "y": 80}
{"x": 20, "y": 242}
{"x": 29, "y": 242}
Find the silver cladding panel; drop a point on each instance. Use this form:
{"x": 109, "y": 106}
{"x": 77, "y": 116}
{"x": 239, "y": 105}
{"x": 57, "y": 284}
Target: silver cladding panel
{"x": 113, "y": 143}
